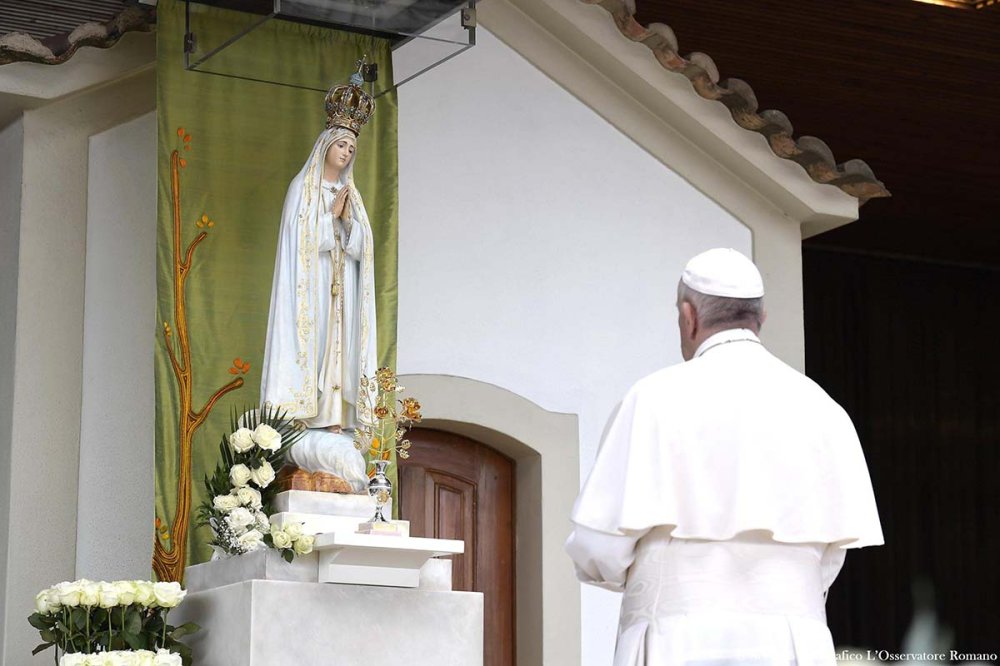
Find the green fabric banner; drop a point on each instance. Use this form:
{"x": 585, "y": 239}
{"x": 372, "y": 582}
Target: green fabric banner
{"x": 227, "y": 149}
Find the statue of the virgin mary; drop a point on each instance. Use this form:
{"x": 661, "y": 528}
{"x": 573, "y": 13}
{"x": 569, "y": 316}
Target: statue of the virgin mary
{"x": 321, "y": 328}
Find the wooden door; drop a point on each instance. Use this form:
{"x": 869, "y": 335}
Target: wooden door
{"x": 453, "y": 487}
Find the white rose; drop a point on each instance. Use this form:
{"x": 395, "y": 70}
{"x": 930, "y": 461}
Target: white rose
{"x": 251, "y": 541}
{"x": 137, "y": 658}
{"x": 281, "y": 539}
{"x": 73, "y": 659}
{"x": 107, "y": 596}
{"x": 241, "y": 440}
{"x": 126, "y": 592}
{"x": 247, "y": 496}
{"x": 166, "y": 658}
{"x": 267, "y": 437}
{"x": 239, "y": 475}
{"x": 293, "y": 530}
{"x": 240, "y": 518}
{"x": 142, "y": 658}
{"x": 69, "y": 593}
{"x": 53, "y": 599}
{"x": 89, "y": 593}
{"x": 144, "y": 593}
{"x": 263, "y": 475}
{"x": 107, "y": 659}
{"x": 226, "y": 503}
{"x": 42, "y": 602}
{"x": 263, "y": 523}
{"x": 168, "y": 595}
{"x": 304, "y": 544}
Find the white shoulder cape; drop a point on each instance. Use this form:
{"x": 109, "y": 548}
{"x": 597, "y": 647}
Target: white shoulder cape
{"x": 732, "y": 441}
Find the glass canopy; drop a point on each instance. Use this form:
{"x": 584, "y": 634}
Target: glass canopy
{"x": 423, "y": 34}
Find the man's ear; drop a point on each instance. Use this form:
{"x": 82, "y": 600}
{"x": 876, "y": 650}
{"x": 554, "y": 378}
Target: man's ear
{"x": 689, "y": 320}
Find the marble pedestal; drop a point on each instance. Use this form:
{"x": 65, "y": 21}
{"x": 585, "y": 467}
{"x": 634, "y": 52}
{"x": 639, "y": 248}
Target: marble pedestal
{"x": 267, "y": 564}
{"x": 284, "y": 623}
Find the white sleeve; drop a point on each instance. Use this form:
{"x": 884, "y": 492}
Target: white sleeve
{"x": 601, "y": 559}
{"x": 830, "y": 565}
{"x": 326, "y": 234}
{"x": 353, "y": 238}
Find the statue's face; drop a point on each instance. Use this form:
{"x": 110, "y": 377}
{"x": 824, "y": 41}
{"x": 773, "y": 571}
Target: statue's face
{"x": 340, "y": 153}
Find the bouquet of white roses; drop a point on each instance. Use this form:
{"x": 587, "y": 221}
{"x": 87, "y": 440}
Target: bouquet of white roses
{"x": 119, "y": 623}
{"x": 240, "y": 491}
{"x": 122, "y": 658}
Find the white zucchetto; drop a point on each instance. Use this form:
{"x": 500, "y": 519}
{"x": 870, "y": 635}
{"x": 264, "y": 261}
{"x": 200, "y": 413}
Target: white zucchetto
{"x": 723, "y": 272}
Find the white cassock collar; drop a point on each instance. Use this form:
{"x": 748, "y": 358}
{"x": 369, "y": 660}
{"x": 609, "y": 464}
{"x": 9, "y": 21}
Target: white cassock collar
{"x": 726, "y": 337}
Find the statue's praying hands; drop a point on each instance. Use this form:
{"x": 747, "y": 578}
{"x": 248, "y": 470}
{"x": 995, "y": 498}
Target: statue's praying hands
{"x": 342, "y": 205}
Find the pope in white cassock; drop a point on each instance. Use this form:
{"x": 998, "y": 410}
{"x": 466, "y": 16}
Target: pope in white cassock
{"x": 725, "y": 494}
{"x": 321, "y": 333}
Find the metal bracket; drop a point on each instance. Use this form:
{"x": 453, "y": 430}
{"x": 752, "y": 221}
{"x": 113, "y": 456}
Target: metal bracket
{"x": 369, "y": 72}
{"x": 469, "y": 18}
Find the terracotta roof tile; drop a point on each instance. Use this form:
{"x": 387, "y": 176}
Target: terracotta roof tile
{"x": 853, "y": 176}
{"x": 58, "y": 48}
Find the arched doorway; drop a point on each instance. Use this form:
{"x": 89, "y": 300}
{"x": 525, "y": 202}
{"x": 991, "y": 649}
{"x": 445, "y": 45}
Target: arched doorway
{"x": 454, "y": 487}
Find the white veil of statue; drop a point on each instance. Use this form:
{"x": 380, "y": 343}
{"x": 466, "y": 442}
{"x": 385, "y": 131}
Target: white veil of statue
{"x": 321, "y": 331}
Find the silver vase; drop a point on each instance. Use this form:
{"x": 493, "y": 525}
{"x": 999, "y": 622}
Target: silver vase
{"x": 380, "y": 488}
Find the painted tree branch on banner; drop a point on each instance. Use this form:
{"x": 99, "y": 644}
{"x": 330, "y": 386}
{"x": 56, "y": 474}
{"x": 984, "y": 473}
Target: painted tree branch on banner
{"x": 170, "y": 544}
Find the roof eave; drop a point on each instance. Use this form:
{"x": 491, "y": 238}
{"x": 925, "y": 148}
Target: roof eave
{"x": 798, "y": 176}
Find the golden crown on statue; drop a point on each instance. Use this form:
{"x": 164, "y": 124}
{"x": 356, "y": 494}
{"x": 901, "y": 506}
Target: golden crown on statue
{"x": 348, "y": 105}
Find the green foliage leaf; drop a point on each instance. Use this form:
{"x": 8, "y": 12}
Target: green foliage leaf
{"x": 288, "y": 555}
{"x": 43, "y": 646}
{"x": 78, "y": 617}
{"x": 134, "y": 641}
{"x": 39, "y": 621}
{"x": 133, "y": 621}
{"x": 185, "y": 629}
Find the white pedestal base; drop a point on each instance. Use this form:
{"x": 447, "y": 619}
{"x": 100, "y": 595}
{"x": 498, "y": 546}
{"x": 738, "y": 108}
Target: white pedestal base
{"x": 277, "y": 623}
{"x": 267, "y": 564}
{"x": 366, "y": 559}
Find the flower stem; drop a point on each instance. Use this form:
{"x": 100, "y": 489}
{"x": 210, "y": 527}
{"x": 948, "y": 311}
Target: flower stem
{"x": 163, "y": 643}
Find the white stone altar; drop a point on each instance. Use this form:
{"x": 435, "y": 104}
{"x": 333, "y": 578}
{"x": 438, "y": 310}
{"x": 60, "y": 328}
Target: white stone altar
{"x": 283, "y": 623}
{"x": 259, "y": 610}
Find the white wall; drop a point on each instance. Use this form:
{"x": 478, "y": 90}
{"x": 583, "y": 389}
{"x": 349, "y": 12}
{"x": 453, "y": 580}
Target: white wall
{"x": 118, "y": 338}
{"x": 45, "y": 415}
{"x": 11, "y": 148}
{"x": 539, "y": 250}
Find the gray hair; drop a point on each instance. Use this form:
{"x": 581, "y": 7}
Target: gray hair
{"x": 716, "y": 311}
